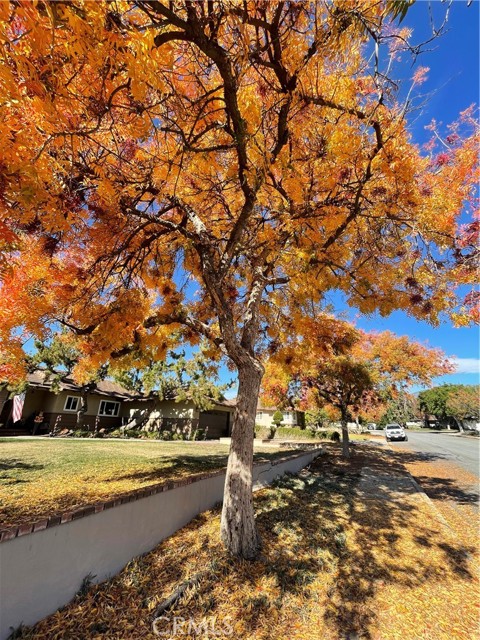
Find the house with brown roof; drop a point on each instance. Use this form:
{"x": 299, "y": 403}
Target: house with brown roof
{"x": 109, "y": 406}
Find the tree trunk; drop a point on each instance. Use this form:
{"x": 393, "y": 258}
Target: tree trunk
{"x": 238, "y": 529}
{"x": 345, "y": 438}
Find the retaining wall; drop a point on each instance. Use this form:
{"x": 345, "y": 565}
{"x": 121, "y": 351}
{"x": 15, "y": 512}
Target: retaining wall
{"x": 42, "y": 566}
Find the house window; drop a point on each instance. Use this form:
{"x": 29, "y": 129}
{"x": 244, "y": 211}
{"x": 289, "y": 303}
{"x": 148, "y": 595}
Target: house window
{"x": 259, "y": 415}
{"x": 71, "y": 403}
{"x": 109, "y": 408}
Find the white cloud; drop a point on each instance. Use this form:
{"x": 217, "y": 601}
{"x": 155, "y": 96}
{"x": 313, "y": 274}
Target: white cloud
{"x": 467, "y": 365}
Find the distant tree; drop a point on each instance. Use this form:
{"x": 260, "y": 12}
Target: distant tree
{"x": 316, "y": 418}
{"x": 451, "y": 403}
{"x": 434, "y": 402}
{"x": 341, "y": 382}
{"x": 399, "y": 362}
{"x": 277, "y": 420}
{"x": 402, "y": 408}
{"x": 348, "y": 369}
{"x": 464, "y": 403}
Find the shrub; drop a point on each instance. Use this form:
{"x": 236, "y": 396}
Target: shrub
{"x": 199, "y": 434}
{"x": 152, "y": 435}
{"x": 277, "y": 418}
{"x": 316, "y": 419}
{"x": 133, "y": 433}
{"x": 261, "y": 432}
{"x": 297, "y": 432}
{"x": 81, "y": 433}
{"x": 331, "y": 435}
{"x": 288, "y": 433}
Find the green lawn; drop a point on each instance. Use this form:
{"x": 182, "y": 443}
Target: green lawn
{"x": 39, "y": 477}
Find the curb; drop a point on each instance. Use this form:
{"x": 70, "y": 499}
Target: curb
{"x": 429, "y": 501}
{"x": 440, "y": 517}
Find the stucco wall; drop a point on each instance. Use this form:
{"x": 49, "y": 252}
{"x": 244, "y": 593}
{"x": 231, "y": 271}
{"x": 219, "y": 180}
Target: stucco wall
{"x": 135, "y": 408}
{"x": 264, "y": 418}
{"x": 171, "y": 409}
{"x": 58, "y": 403}
{"x": 166, "y": 415}
{"x": 49, "y": 402}
{"x": 289, "y": 418}
{"x": 36, "y": 400}
{"x": 42, "y": 571}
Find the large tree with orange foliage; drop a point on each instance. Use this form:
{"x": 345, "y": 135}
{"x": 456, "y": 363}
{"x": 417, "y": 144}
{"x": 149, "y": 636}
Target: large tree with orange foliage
{"x": 331, "y": 363}
{"x": 183, "y": 170}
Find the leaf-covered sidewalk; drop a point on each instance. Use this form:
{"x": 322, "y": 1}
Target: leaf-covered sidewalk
{"x": 351, "y": 550}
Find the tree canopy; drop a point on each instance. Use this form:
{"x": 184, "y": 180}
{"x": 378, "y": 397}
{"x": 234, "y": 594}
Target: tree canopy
{"x": 251, "y": 146}
{"x": 193, "y": 379}
{"x": 183, "y": 170}
{"x": 402, "y": 408}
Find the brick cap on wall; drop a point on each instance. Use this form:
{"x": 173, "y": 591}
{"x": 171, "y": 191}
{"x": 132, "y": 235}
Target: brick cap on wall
{"x": 57, "y": 519}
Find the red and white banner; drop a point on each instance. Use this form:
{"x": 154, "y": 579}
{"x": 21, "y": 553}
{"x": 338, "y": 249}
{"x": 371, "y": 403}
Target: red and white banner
{"x": 18, "y": 407}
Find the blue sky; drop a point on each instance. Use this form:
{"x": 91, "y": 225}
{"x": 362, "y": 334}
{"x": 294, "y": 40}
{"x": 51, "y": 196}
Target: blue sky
{"x": 453, "y": 81}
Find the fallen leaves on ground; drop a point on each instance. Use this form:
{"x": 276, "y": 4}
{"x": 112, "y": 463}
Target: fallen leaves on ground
{"x": 337, "y": 563}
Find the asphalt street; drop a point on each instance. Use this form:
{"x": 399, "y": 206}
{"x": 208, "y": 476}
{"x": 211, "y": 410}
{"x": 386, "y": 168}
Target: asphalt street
{"x": 461, "y": 450}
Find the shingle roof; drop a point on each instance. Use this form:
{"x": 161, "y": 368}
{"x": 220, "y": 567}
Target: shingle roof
{"x": 103, "y": 387}
{"x": 110, "y": 388}
{"x": 228, "y": 402}
{"x": 263, "y": 407}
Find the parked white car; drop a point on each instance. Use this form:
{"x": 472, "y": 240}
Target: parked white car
{"x": 395, "y": 432}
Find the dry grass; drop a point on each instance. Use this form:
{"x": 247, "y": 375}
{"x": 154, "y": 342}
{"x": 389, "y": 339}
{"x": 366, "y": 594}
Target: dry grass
{"x": 343, "y": 558}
